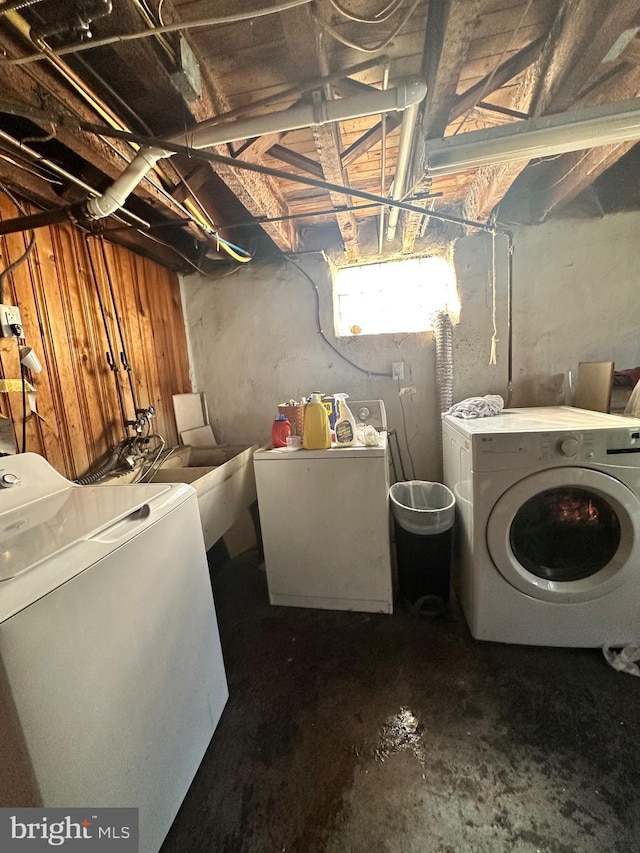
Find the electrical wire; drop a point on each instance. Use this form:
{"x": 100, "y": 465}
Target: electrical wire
{"x": 176, "y": 251}
{"x": 382, "y": 15}
{"x": 155, "y": 31}
{"x": 234, "y": 251}
{"x": 316, "y": 294}
{"x": 24, "y": 408}
{"x": 23, "y": 257}
{"x": 336, "y": 35}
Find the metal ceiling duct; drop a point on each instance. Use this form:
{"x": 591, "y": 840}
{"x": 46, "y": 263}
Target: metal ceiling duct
{"x": 405, "y": 95}
{"x": 537, "y": 137}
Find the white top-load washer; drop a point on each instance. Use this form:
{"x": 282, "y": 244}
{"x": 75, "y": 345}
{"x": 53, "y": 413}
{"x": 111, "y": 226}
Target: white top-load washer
{"x": 111, "y": 673}
{"x": 548, "y": 525}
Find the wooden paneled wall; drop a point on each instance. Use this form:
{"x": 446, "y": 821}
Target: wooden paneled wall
{"x": 84, "y": 301}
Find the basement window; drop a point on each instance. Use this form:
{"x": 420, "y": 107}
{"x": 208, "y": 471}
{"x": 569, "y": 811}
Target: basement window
{"x": 397, "y": 296}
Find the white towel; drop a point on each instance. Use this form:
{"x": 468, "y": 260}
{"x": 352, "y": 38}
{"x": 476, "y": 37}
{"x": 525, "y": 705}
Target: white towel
{"x": 477, "y": 407}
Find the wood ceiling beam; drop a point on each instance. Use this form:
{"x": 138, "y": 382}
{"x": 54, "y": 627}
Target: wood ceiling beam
{"x": 450, "y": 28}
{"x": 347, "y": 87}
{"x": 495, "y": 80}
{"x": 258, "y": 146}
{"x": 258, "y": 193}
{"x": 595, "y": 31}
{"x": 547, "y": 83}
{"x": 298, "y": 161}
{"x": 41, "y": 86}
{"x": 563, "y": 178}
{"x": 57, "y": 86}
{"x": 369, "y": 139}
{"x": 307, "y": 55}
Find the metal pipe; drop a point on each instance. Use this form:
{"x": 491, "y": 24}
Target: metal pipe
{"x": 383, "y": 160}
{"x": 402, "y": 166}
{"x": 509, "y": 236}
{"x": 123, "y": 352}
{"x": 343, "y": 208}
{"x": 164, "y": 28}
{"x": 110, "y": 354}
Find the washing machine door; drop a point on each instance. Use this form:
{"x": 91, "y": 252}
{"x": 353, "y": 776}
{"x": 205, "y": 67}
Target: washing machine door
{"x": 565, "y": 534}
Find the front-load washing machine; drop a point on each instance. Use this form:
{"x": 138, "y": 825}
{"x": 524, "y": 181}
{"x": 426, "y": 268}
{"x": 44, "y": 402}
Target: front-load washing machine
{"x": 547, "y": 534}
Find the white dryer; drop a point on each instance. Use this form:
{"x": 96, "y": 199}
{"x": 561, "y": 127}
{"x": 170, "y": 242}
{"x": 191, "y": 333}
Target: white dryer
{"x": 548, "y": 525}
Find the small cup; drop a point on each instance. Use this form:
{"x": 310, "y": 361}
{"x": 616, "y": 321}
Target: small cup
{"x": 30, "y": 359}
{"x": 294, "y": 442}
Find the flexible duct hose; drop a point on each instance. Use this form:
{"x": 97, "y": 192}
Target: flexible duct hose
{"x": 110, "y": 465}
{"x": 444, "y": 360}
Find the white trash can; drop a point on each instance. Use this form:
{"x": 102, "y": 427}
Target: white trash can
{"x": 423, "y": 515}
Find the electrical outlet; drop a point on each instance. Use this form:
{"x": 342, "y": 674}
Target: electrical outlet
{"x": 397, "y": 370}
{"x": 10, "y": 322}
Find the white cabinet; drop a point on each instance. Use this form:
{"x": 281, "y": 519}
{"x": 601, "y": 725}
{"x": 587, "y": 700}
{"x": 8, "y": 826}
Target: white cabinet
{"x": 325, "y": 527}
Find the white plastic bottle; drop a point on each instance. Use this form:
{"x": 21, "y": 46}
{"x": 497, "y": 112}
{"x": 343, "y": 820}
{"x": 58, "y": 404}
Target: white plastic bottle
{"x": 345, "y": 427}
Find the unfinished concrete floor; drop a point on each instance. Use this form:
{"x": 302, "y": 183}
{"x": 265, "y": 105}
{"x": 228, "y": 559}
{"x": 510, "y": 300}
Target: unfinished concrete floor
{"x": 349, "y": 732}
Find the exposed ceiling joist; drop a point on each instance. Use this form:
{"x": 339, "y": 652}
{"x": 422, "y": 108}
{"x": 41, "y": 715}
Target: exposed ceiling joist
{"x": 449, "y": 30}
{"x": 569, "y": 39}
{"x": 488, "y": 63}
{"x": 496, "y": 79}
{"x": 308, "y": 53}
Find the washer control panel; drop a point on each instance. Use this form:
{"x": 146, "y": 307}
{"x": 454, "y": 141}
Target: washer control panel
{"x": 561, "y": 447}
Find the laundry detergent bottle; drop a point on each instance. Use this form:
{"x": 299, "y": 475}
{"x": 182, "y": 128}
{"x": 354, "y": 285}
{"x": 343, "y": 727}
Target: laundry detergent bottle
{"x": 280, "y": 431}
{"x": 316, "y": 434}
{"x": 345, "y": 423}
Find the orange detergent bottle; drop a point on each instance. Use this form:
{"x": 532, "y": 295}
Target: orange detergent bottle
{"x": 316, "y": 434}
{"x": 280, "y": 430}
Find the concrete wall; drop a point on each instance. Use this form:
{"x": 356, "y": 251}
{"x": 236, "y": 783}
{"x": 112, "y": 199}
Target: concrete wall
{"x": 254, "y": 340}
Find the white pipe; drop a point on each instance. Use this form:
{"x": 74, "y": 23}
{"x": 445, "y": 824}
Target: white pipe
{"x": 402, "y": 166}
{"x": 540, "y": 137}
{"x": 405, "y": 96}
{"x": 115, "y": 196}
{"x": 307, "y": 115}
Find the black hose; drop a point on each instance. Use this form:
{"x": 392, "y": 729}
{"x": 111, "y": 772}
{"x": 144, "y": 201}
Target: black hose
{"x": 110, "y": 465}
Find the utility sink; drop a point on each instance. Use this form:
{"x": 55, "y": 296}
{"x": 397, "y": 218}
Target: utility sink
{"x": 223, "y": 477}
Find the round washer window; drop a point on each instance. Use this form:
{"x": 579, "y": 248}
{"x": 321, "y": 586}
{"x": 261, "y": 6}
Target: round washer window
{"x": 565, "y": 534}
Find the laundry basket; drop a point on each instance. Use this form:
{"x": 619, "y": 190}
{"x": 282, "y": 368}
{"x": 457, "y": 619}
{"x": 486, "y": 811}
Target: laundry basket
{"x": 423, "y": 514}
